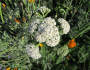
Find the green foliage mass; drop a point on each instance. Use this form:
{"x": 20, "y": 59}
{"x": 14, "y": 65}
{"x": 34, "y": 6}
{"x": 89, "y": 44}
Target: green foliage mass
{"x": 15, "y": 36}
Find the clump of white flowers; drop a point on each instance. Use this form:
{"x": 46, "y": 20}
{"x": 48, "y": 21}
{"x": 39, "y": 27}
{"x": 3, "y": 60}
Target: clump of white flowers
{"x": 33, "y": 25}
{"x": 43, "y": 10}
{"x": 65, "y": 25}
{"x": 33, "y": 51}
{"x": 47, "y": 32}
{"x": 63, "y": 51}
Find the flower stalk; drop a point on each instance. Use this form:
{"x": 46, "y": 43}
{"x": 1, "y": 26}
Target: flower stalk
{"x": 1, "y": 13}
{"x": 43, "y": 49}
{"x": 81, "y": 33}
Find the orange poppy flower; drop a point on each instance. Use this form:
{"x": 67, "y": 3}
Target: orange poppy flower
{"x": 31, "y": 1}
{"x": 17, "y": 20}
{"x": 71, "y": 44}
{"x": 16, "y": 68}
{"x": 4, "y": 5}
{"x": 40, "y": 45}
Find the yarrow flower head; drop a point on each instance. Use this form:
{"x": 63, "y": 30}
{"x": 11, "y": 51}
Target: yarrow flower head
{"x": 43, "y": 10}
{"x": 71, "y": 44}
{"x": 33, "y": 51}
{"x": 33, "y": 26}
{"x": 65, "y": 25}
{"x": 63, "y": 51}
{"x": 47, "y": 31}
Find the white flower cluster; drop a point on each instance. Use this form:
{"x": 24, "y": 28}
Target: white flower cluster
{"x": 43, "y": 10}
{"x": 48, "y": 32}
{"x": 33, "y": 25}
{"x": 63, "y": 51}
{"x": 65, "y": 25}
{"x": 33, "y": 51}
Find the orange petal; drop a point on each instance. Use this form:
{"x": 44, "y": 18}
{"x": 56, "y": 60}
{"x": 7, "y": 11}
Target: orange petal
{"x": 17, "y": 20}
{"x": 33, "y": 0}
{"x": 40, "y": 45}
{"x": 16, "y": 68}
{"x": 73, "y": 40}
{"x": 8, "y": 68}
{"x": 4, "y": 5}
{"x": 74, "y": 44}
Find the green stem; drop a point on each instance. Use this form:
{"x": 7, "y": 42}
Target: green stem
{"x": 4, "y": 51}
{"x": 80, "y": 1}
{"x": 85, "y": 26}
{"x": 28, "y": 6}
{"x": 66, "y": 7}
{"x": 7, "y": 50}
{"x": 29, "y": 10}
{"x": 1, "y": 13}
{"x": 24, "y": 3}
{"x": 87, "y": 13}
{"x": 37, "y": 45}
{"x": 11, "y": 48}
{"x": 66, "y": 13}
{"x": 43, "y": 49}
{"x": 33, "y": 6}
{"x": 46, "y": 14}
{"x": 11, "y": 3}
{"x": 76, "y": 3}
{"x": 23, "y": 10}
{"x": 43, "y": 15}
{"x": 80, "y": 33}
{"x": 39, "y": 4}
